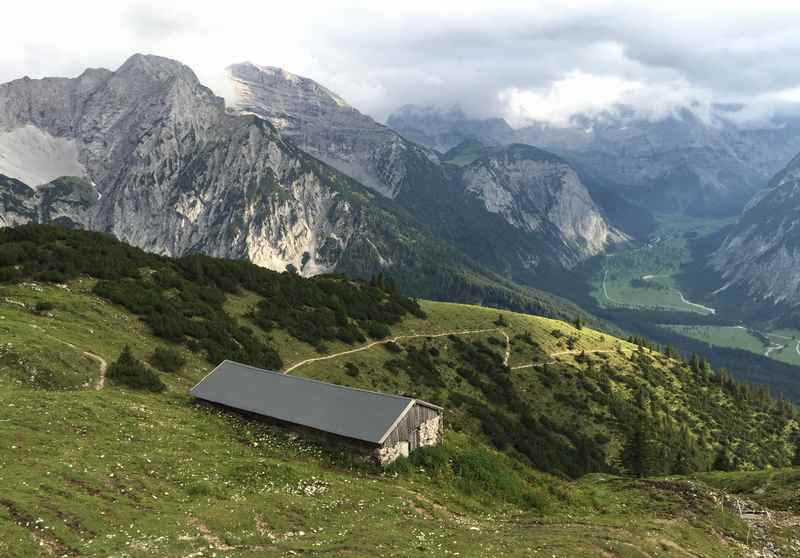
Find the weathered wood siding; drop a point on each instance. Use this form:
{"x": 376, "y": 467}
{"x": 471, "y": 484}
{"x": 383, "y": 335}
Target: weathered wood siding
{"x": 406, "y": 429}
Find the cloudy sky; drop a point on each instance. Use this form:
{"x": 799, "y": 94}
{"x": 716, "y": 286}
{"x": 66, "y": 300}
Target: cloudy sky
{"x": 533, "y": 59}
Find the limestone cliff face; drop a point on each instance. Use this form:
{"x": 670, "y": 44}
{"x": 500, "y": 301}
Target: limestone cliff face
{"x": 174, "y": 173}
{"x": 761, "y": 255}
{"x": 539, "y": 194}
{"x": 536, "y": 192}
{"x": 67, "y": 201}
{"x": 325, "y": 126}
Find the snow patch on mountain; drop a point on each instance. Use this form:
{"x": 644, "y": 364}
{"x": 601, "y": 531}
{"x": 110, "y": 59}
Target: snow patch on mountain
{"x": 35, "y": 157}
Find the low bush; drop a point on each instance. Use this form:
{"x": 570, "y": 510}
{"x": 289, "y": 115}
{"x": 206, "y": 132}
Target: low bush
{"x": 501, "y": 321}
{"x": 43, "y": 307}
{"x": 393, "y": 347}
{"x": 167, "y": 359}
{"x": 378, "y": 330}
{"x": 352, "y": 370}
{"x": 475, "y": 471}
{"x": 434, "y": 459}
{"x": 131, "y": 372}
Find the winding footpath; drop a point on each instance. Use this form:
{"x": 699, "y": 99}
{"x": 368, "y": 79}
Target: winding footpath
{"x": 398, "y": 338}
{"x": 101, "y": 362}
{"x": 506, "y": 356}
{"x": 562, "y": 353}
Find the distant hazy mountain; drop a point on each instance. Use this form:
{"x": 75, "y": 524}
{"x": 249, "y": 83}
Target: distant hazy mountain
{"x": 759, "y": 259}
{"x": 443, "y": 130}
{"x": 678, "y": 163}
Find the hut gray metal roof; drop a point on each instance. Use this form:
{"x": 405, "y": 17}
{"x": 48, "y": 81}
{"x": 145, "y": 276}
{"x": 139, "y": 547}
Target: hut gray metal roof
{"x": 354, "y": 413}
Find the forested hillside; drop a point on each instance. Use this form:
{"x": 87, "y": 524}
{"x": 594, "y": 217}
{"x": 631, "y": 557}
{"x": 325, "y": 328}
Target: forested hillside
{"x": 109, "y": 454}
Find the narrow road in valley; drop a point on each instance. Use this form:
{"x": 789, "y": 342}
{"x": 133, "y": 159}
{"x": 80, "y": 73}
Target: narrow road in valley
{"x": 772, "y": 348}
{"x": 648, "y": 278}
{"x": 395, "y": 340}
{"x": 690, "y": 303}
{"x": 605, "y": 290}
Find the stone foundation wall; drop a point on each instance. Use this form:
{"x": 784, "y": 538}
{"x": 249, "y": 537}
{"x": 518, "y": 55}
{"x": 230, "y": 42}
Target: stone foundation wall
{"x": 430, "y": 432}
{"x": 387, "y": 454}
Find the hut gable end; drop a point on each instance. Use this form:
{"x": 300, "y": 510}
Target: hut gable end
{"x": 408, "y": 428}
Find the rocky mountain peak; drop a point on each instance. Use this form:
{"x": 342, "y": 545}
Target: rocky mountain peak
{"x": 156, "y": 68}
{"x": 321, "y": 123}
{"x": 445, "y": 129}
{"x": 288, "y": 90}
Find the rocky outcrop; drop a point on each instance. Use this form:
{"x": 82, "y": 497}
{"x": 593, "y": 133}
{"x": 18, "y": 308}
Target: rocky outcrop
{"x": 67, "y": 201}
{"x": 538, "y": 192}
{"x": 322, "y": 124}
{"x": 761, "y": 255}
{"x": 175, "y": 173}
{"x": 552, "y": 213}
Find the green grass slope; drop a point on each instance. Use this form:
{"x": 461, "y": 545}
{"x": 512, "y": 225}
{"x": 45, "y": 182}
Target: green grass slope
{"x": 91, "y": 468}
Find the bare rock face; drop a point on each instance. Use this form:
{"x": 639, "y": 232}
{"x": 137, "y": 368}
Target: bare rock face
{"x": 161, "y": 163}
{"x": 761, "y": 255}
{"x": 325, "y": 126}
{"x": 536, "y": 191}
{"x": 677, "y": 163}
{"x": 541, "y": 196}
{"x": 67, "y": 201}
{"x": 18, "y": 203}
{"x": 174, "y": 173}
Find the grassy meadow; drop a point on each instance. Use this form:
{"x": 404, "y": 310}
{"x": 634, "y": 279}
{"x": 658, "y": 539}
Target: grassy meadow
{"x": 120, "y": 472}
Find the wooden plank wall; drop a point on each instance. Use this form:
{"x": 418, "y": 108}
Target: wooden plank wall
{"x": 406, "y": 429}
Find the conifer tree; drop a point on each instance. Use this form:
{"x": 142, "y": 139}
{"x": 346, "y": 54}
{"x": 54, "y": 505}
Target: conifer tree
{"x": 796, "y": 460}
{"x": 637, "y": 453}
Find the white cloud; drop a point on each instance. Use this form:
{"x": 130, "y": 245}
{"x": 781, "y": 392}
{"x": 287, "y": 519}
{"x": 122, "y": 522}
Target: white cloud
{"x": 542, "y": 58}
{"x": 576, "y": 92}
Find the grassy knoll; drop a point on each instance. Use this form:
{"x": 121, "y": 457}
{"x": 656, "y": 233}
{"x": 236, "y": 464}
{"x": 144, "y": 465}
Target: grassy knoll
{"x": 736, "y": 337}
{"x": 779, "y": 344}
{"x": 121, "y": 472}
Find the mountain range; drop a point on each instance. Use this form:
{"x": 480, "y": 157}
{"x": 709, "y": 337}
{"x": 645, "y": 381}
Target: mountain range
{"x": 288, "y": 175}
{"x": 687, "y": 161}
